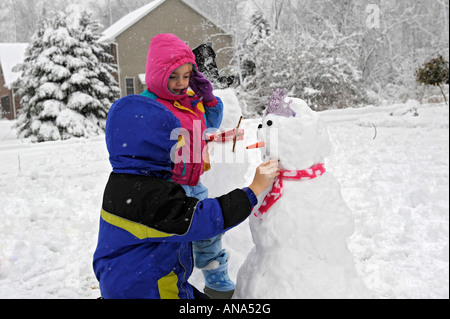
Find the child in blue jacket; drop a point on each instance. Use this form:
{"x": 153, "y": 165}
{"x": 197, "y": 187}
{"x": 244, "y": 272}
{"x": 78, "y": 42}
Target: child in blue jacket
{"x": 147, "y": 222}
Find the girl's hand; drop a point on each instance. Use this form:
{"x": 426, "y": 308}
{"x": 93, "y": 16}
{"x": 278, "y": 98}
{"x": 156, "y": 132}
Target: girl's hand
{"x": 264, "y": 176}
{"x": 201, "y": 86}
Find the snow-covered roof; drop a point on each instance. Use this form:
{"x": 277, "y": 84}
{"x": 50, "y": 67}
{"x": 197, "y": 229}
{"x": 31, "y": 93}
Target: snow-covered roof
{"x": 130, "y": 19}
{"x": 11, "y": 54}
{"x": 142, "y": 78}
{"x": 127, "y": 21}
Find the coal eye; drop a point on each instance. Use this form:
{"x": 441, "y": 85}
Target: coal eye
{"x": 269, "y": 123}
{"x": 260, "y": 126}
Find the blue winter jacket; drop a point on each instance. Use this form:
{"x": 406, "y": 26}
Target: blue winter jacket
{"x": 147, "y": 222}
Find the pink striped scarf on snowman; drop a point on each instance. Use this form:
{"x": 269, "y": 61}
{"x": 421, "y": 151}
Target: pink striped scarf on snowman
{"x": 277, "y": 189}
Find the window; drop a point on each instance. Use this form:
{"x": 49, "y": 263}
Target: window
{"x": 6, "y": 105}
{"x": 130, "y": 85}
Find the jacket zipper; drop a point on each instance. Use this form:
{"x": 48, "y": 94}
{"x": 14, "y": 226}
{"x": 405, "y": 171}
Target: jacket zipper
{"x": 184, "y": 275}
{"x": 192, "y": 256}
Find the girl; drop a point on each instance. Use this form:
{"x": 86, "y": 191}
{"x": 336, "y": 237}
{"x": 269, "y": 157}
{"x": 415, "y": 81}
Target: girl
{"x": 170, "y": 70}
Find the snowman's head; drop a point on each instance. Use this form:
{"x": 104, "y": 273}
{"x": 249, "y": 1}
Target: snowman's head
{"x": 293, "y": 134}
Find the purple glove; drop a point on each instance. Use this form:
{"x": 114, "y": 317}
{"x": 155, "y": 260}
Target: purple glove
{"x": 201, "y": 86}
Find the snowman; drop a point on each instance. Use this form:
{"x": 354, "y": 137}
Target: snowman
{"x": 302, "y": 224}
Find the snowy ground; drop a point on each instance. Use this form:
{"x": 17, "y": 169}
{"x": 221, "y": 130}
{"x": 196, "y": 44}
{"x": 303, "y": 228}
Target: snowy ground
{"x": 394, "y": 171}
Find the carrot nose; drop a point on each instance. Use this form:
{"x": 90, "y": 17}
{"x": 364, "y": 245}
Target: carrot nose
{"x": 257, "y": 145}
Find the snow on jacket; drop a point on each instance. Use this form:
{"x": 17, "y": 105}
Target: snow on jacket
{"x": 147, "y": 222}
{"x": 167, "y": 53}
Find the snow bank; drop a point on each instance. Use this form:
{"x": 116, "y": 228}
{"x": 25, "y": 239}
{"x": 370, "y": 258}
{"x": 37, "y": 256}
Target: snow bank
{"x": 50, "y": 197}
{"x": 396, "y": 185}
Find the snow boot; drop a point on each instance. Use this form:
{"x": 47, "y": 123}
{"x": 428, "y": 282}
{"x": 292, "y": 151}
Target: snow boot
{"x": 217, "y": 281}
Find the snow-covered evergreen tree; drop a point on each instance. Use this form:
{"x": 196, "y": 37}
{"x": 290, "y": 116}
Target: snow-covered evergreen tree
{"x": 257, "y": 34}
{"x": 66, "y": 85}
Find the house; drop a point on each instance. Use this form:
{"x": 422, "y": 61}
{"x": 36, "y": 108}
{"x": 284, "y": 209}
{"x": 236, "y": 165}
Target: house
{"x": 130, "y": 38}
{"x": 11, "y": 54}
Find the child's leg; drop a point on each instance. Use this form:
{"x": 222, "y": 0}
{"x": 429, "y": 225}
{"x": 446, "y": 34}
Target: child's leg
{"x": 206, "y": 251}
{"x": 200, "y": 192}
{"x": 213, "y": 261}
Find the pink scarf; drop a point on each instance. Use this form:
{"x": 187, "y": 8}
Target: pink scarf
{"x": 277, "y": 189}
{"x": 226, "y": 136}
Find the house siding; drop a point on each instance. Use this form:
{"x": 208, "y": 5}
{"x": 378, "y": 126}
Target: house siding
{"x": 13, "y": 104}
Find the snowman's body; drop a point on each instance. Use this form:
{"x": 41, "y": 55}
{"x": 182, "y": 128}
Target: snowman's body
{"x": 300, "y": 242}
{"x": 229, "y": 169}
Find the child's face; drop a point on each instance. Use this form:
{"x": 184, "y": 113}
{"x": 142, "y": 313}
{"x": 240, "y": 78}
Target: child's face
{"x": 179, "y": 79}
